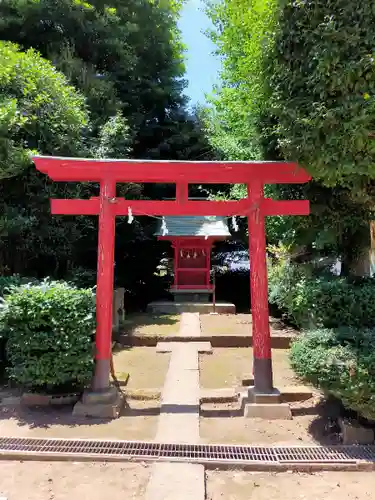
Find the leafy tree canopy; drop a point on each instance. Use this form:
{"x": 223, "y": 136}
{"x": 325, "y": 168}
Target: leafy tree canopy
{"x": 126, "y": 58}
{"x": 323, "y": 89}
{"x": 39, "y": 110}
{"x": 297, "y": 83}
{"x": 125, "y": 55}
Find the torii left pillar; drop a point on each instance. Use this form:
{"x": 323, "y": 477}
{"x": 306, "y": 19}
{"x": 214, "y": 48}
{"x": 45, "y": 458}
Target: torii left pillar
{"x": 103, "y": 400}
{"x": 106, "y": 244}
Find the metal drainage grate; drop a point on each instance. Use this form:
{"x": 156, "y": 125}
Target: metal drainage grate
{"x": 224, "y": 454}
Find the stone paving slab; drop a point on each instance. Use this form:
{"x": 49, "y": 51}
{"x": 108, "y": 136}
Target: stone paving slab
{"x": 179, "y": 417}
{"x": 178, "y": 428}
{"x": 190, "y": 325}
{"x": 183, "y": 390}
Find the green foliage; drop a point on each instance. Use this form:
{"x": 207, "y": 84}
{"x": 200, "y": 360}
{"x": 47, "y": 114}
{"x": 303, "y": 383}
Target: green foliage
{"x": 339, "y": 362}
{"x": 338, "y": 225}
{"x": 114, "y": 139}
{"x": 8, "y": 283}
{"x": 322, "y": 106}
{"x": 39, "y": 111}
{"x": 49, "y": 329}
{"x": 297, "y": 84}
{"x": 322, "y": 300}
{"x": 301, "y": 76}
{"x": 323, "y": 93}
{"x": 125, "y": 57}
{"x": 243, "y": 40}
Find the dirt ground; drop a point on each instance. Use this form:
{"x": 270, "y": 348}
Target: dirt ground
{"x": 152, "y": 324}
{"x": 306, "y": 429}
{"x": 72, "y": 481}
{"x": 146, "y": 367}
{"x": 226, "y": 367}
{"x": 239, "y": 485}
{"x": 238, "y": 324}
{"x": 137, "y": 422}
{"x": 94, "y": 481}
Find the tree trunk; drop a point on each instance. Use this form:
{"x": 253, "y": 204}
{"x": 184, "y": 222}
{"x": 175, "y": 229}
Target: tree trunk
{"x": 360, "y": 266}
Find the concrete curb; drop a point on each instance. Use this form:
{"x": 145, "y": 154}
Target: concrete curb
{"x": 363, "y": 466}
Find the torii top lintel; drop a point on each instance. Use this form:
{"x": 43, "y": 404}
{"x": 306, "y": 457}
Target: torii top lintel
{"x": 192, "y": 172}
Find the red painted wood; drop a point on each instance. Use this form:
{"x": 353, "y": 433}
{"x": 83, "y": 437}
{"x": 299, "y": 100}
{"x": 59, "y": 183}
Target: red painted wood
{"x": 191, "y": 271}
{"x": 285, "y": 207}
{"x": 198, "y": 262}
{"x": 176, "y": 247}
{"x": 78, "y": 169}
{"x": 258, "y": 276}
{"x": 192, "y": 208}
{"x": 75, "y": 207}
{"x": 182, "y": 192}
{"x": 191, "y": 241}
{"x": 208, "y": 265}
{"x": 191, "y": 277}
{"x": 193, "y": 287}
{"x": 104, "y": 291}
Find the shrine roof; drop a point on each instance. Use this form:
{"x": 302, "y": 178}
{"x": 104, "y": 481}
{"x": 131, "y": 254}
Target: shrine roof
{"x": 195, "y": 226}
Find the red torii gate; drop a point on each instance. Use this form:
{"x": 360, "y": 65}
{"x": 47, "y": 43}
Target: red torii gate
{"x": 182, "y": 173}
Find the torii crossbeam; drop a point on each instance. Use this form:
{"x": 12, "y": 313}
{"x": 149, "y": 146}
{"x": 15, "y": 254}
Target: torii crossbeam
{"x": 182, "y": 173}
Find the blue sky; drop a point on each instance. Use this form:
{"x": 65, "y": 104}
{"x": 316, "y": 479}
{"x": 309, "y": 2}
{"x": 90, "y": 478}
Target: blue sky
{"x": 201, "y": 65}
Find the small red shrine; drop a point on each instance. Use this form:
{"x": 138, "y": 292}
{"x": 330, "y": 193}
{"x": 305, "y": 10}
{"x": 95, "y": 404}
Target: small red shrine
{"x": 192, "y": 239}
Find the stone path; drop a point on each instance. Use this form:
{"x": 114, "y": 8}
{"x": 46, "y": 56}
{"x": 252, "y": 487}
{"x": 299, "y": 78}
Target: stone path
{"x": 179, "y": 417}
{"x": 190, "y": 325}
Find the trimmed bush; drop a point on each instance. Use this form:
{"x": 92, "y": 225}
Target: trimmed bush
{"x": 7, "y": 283}
{"x": 340, "y": 362}
{"x": 49, "y": 329}
{"x": 321, "y": 301}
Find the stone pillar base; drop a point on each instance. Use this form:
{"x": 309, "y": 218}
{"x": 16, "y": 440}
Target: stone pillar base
{"x": 280, "y": 411}
{"x": 107, "y": 403}
{"x": 254, "y": 396}
{"x": 266, "y": 406}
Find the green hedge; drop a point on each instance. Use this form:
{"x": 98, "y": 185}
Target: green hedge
{"x": 7, "y": 283}
{"x": 341, "y": 362}
{"x": 321, "y": 301}
{"x": 48, "y": 329}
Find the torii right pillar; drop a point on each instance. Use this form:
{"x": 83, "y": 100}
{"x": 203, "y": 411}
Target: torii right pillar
{"x": 263, "y": 401}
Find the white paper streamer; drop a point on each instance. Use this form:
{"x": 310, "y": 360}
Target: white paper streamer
{"x": 164, "y": 229}
{"x": 234, "y": 223}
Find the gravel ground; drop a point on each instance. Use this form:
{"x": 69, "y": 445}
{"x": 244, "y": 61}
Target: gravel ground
{"x": 152, "y": 324}
{"x": 146, "y": 367}
{"x": 138, "y": 421}
{"x": 312, "y": 424}
{"x": 239, "y": 324}
{"x": 226, "y": 367}
{"x": 72, "y": 481}
{"x": 239, "y": 485}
